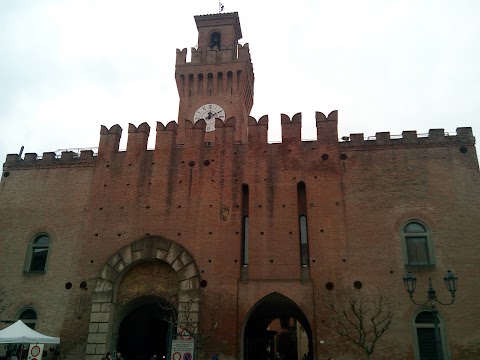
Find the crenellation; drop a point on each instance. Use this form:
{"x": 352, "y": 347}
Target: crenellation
{"x": 109, "y": 141}
{"x": 291, "y": 129}
{"x": 356, "y": 139}
{"x": 30, "y": 158}
{"x": 382, "y": 137}
{"x": 258, "y": 131}
{"x": 409, "y": 136}
{"x": 67, "y": 156}
{"x": 327, "y": 128}
{"x": 465, "y": 133}
{"x": 436, "y": 134}
{"x": 181, "y": 56}
{"x": 49, "y": 157}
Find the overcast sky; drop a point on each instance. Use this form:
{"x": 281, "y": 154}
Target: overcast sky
{"x": 69, "y": 66}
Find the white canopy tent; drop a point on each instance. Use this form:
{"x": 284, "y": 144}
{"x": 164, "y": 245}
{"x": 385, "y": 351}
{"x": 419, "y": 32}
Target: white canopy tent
{"x": 19, "y": 333}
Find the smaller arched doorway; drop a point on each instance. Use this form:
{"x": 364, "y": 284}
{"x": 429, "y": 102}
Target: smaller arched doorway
{"x": 145, "y": 325}
{"x": 276, "y": 325}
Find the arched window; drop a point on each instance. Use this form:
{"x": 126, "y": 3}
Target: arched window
{"x": 417, "y": 243}
{"x": 38, "y": 253}
{"x": 215, "y": 39}
{"x": 426, "y": 338}
{"x": 29, "y": 317}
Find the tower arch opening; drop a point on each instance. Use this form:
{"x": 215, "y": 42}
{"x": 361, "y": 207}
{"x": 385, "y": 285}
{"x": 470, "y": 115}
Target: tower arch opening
{"x": 277, "y": 328}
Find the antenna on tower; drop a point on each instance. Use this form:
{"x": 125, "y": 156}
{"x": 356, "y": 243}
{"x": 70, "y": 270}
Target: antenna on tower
{"x": 220, "y": 7}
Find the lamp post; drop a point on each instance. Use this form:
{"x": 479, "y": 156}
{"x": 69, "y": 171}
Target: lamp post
{"x": 450, "y": 280}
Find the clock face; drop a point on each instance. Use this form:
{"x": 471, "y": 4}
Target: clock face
{"x": 209, "y": 112}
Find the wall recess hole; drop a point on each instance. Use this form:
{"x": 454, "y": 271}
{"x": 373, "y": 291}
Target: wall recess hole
{"x": 391, "y": 271}
{"x": 206, "y": 162}
{"x": 100, "y": 209}
{"x": 357, "y": 285}
{"x": 209, "y": 261}
{"x": 6, "y": 174}
{"x": 344, "y": 260}
{"x": 463, "y": 149}
{"x": 290, "y": 232}
{"x": 107, "y": 165}
{"x": 83, "y": 285}
{"x": 261, "y": 232}
{"x": 313, "y": 260}
{"x": 271, "y": 261}
{"x": 191, "y": 163}
{"x": 119, "y": 234}
{"x": 178, "y": 234}
{"x": 147, "y": 234}
{"x": 329, "y": 285}
{"x": 343, "y": 156}
{"x": 325, "y": 157}
{"x": 68, "y": 285}
{"x": 203, "y": 283}
{"x": 96, "y": 234}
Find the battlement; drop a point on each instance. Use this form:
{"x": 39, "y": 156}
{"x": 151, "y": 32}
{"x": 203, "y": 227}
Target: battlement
{"x": 195, "y": 136}
{"x": 226, "y": 54}
{"x": 59, "y": 158}
{"x": 439, "y": 137}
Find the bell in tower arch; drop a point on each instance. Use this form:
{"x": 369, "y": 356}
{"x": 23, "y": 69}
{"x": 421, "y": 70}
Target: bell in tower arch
{"x": 215, "y": 41}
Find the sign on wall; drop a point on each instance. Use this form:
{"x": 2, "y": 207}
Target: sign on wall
{"x": 182, "y": 349}
{"x": 35, "y": 351}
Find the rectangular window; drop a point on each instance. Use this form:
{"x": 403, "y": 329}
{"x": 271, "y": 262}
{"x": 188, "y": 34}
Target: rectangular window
{"x": 417, "y": 250}
{"x": 39, "y": 259}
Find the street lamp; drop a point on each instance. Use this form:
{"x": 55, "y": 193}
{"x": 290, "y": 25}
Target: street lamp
{"x": 450, "y": 280}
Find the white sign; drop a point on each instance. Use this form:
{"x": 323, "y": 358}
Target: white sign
{"x": 35, "y": 351}
{"x": 182, "y": 349}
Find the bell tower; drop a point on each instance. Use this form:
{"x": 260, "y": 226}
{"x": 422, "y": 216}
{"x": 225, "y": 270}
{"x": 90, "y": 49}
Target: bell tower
{"x": 218, "y": 81}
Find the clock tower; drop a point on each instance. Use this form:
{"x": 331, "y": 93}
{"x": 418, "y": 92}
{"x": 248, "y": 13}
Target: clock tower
{"x": 218, "y": 81}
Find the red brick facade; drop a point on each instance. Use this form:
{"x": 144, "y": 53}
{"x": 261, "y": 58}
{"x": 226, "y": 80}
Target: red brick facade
{"x": 181, "y": 204}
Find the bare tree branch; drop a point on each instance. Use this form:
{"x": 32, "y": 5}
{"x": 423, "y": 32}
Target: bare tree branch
{"x": 362, "y": 318}
{"x": 4, "y": 304}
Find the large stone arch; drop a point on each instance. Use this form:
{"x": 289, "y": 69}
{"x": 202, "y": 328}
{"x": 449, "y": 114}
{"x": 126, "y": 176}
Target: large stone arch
{"x": 110, "y": 277}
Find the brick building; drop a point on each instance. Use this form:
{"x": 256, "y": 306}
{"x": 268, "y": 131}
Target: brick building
{"x": 237, "y": 233}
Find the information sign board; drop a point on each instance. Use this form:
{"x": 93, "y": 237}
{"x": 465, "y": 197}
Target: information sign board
{"x": 182, "y": 349}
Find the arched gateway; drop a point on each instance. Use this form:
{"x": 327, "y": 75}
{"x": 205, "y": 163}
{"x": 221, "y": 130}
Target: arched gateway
{"x": 136, "y": 296}
{"x": 276, "y": 327}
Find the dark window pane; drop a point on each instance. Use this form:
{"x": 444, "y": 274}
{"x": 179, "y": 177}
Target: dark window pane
{"x": 425, "y": 317}
{"x": 245, "y": 240}
{"x": 28, "y": 315}
{"x": 304, "y": 258}
{"x": 417, "y": 250}
{"x": 414, "y": 228}
{"x": 426, "y": 343}
{"x": 39, "y": 259}
{"x": 303, "y": 230}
